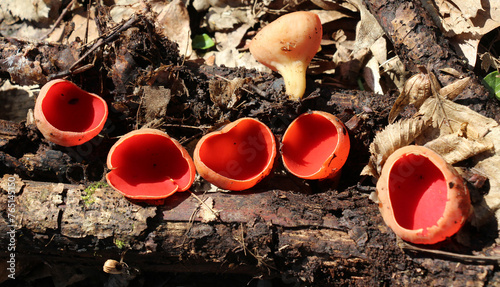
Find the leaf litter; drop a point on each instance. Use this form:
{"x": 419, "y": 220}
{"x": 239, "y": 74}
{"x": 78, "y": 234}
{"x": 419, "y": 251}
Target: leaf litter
{"x": 454, "y": 131}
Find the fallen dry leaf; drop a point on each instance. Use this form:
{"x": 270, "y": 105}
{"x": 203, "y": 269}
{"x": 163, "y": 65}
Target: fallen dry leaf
{"x": 454, "y": 89}
{"x": 227, "y": 18}
{"x": 225, "y": 93}
{"x": 368, "y": 30}
{"x": 419, "y": 87}
{"x": 207, "y": 212}
{"x": 173, "y": 23}
{"x": 466, "y": 21}
{"x": 394, "y": 136}
{"x": 232, "y": 39}
{"x": 489, "y": 166}
{"x": 335, "y": 5}
{"x": 415, "y": 91}
{"x": 31, "y": 10}
{"x": 85, "y": 28}
{"x": 124, "y": 9}
{"x": 456, "y": 115}
{"x": 455, "y": 148}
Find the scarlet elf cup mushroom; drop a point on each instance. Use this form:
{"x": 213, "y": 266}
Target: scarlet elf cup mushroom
{"x": 238, "y": 156}
{"x": 315, "y": 146}
{"x": 288, "y": 45}
{"x": 67, "y": 115}
{"x": 421, "y": 197}
{"x": 147, "y": 165}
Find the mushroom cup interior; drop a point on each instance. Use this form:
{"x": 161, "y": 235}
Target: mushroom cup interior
{"x": 418, "y": 192}
{"x": 242, "y": 153}
{"x": 308, "y": 143}
{"x": 148, "y": 165}
{"x": 68, "y": 108}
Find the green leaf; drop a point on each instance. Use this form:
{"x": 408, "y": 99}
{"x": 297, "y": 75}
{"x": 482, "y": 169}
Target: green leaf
{"x": 203, "y": 42}
{"x": 492, "y": 81}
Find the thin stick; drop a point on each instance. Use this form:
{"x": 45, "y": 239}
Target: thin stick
{"x": 99, "y": 43}
{"x": 206, "y": 205}
{"x": 456, "y": 256}
{"x": 63, "y": 13}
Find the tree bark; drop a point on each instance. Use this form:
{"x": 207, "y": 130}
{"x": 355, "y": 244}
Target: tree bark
{"x": 327, "y": 238}
{"x": 304, "y": 232}
{"x": 417, "y": 41}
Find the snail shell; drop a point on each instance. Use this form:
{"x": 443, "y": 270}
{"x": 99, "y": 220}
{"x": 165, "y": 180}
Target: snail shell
{"x": 113, "y": 267}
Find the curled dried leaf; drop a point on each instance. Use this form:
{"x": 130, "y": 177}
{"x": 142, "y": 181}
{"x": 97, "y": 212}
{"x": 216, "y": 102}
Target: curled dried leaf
{"x": 454, "y": 148}
{"x": 454, "y": 89}
{"x": 455, "y": 114}
{"x": 489, "y": 166}
{"x": 394, "y": 136}
{"x": 416, "y": 90}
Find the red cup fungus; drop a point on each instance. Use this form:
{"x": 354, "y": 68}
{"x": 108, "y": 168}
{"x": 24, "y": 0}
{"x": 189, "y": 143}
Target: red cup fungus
{"x": 148, "y": 165}
{"x": 67, "y": 115}
{"x": 287, "y": 45}
{"x": 238, "y": 156}
{"x": 421, "y": 197}
{"x": 315, "y": 146}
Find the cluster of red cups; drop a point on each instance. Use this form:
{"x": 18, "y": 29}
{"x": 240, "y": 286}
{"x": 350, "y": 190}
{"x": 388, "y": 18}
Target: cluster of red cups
{"x": 422, "y": 198}
{"x": 148, "y": 164}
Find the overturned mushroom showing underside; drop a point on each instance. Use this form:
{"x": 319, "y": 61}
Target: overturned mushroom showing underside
{"x": 67, "y": 115}
{"x": 421, "y": 197}
{"x": 148, "y": 165}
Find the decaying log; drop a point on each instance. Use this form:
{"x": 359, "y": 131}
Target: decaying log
{"x": 29, "y": 63}
{"x": 302, "y": 232}
{"x": 417, "y": 41}
{"x": 322, "y": 238}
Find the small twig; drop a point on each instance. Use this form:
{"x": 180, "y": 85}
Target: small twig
{"x": 257, "y": 257}
{"x": 101, "y": 41}
{"x": 187, "y": 46}
{"x": 216, "y": 214}
{"x": 193, "y": 214}
{"x": 52, "y": 238}
{"x": 191, "y": 223}
{"x": 202, "y": 127}
{"x": 455, "y": 256}
{"x": 137, "y": 116}
{"x": 87, "y": 24}
{"x": 63, "y": 13}
{"x": 227, "y": 80}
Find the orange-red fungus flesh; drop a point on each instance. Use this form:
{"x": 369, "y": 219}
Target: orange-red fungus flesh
{"x": 240, "y": 153}
{"x": 418, "y": 192}
{"x": 309, "y": 144}
{"x": 150, "y": 166}
{"x": 69, "y": 108}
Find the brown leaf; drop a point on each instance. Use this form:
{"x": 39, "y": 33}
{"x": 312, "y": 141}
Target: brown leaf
{"x": 477, "y": 125}
{"x": 466, "y": 21}
{"x": 454, "y": 89}
{"x": 477, "y": 135}
{"x": 173, "y": 23}
{"x": 394, "y": 136}
{"x": 416, "y": 90}
{"x": 489, "y": 166}
{"x": 454, "y": 148}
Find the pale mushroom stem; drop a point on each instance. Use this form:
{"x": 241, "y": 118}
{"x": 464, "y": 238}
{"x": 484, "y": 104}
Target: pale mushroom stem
{"x": 294, "y": 75}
